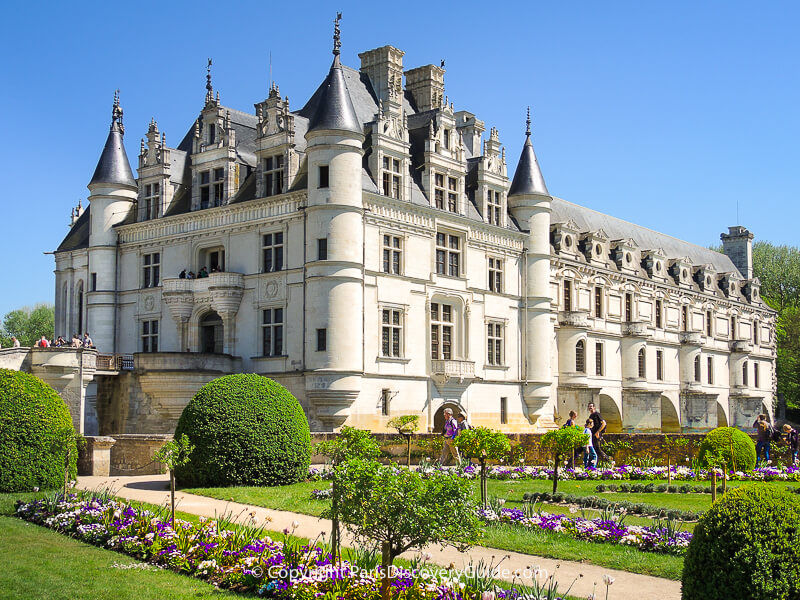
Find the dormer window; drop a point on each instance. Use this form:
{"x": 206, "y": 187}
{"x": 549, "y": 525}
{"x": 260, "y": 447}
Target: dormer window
{"x": 452, "y": 194}
{"x": 391, "y": 177}
{"x": 151, "y": 197}
{"x": 212, "y": 133}
{"x": 493, "y": 207}
{"x": 446, "y": 139}
{"x": 273, "y": 175}
{"x": 211, "y": 191}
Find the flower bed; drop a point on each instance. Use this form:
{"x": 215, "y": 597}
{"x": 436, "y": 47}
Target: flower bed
{"x": 610, "y": 531}
{"x": 241, "y": 558}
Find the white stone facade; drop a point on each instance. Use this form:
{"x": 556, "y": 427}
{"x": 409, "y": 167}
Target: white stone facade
{"x": 396, "y": 269}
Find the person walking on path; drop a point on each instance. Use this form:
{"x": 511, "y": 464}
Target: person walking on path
{"x": 463, "y": 425}
{"x": 598, "y": 427}
{"x": 792, "y": 439}
{"x": 589, "y": 455}
{"x": 573, "y": 419}
{"x": 449, "y": 431}
{"x": 764, "y": 433}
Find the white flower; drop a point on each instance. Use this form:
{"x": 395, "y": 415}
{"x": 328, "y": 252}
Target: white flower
{"x": 487, "y": 596}
{"x": 608, "y": 580}
{"x": 295, "y": 524}
{"x": 501, "y": 501}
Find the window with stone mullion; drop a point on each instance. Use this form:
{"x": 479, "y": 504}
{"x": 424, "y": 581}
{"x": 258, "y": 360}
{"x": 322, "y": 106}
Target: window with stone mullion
{"x": 392, "y": 252}
{"x": 391, "y": 333}
{"x": 149, "y": 336}
{"x": 272, "y": 250}
{"x": 272, "y": 332}
{"x": 441, "y": 331}
{"x": 391, "y": 177}
{"x": 494, "y": 344}
{"x": 273, "y": 175}
{"x": 151, "y": 270}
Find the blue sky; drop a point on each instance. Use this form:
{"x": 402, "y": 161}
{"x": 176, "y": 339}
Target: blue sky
{"x": 666, "y": 114}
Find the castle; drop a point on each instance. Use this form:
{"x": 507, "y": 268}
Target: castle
{"x": 370, "y": 252}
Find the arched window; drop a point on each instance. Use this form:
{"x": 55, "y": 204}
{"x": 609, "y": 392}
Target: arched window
{"x": 642, "y": 364}
{"x": 580, "y": 356}
{"x": 697, "y": 369}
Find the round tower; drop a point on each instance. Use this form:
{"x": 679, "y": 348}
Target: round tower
{"x": 113, "y": 191}
{"x": 334, "y": 301}
{"x": 529, "y": 203}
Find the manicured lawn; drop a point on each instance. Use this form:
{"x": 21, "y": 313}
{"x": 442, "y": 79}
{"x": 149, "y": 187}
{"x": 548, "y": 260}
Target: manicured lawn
{"x": 40, "y": 563}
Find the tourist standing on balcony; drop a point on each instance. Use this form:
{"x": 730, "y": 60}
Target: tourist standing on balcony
{"x": 87, "y": 341}
{"x": 598, "y": 427}
{"x": 14, "y": 342}
{"x": 449, "y": 431}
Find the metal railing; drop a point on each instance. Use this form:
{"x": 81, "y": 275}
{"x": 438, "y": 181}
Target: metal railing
{"x": 115, "y": 362}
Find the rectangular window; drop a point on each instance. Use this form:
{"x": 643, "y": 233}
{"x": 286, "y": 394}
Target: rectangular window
{"x": 642, "y": 364}
{"x": 710, "y": 370}
{"x": 697, "y": 369}
{"x": 446, "y": 138}
{"x": 493, "y": 207}
{"x": 322, "y": 249}
{"x": 219, "y": 186}
{"x": 755, "y": 375}
{"x": 149, "y": 336}
{"x": 93, "y": 283}
{"x": 628, "y": 307}
{"x": 733, "y": 328}
{"x": 323, "y": 176}
{"x": 708, "y": 323}
{"x": 151, "y": 269}
{"x": 503, "y": 411}
{"x": 448, "y": 254}
{"x": 452, "y": 194}
{"x": 273, "y": 175}
{"x": 205, "y": 189}
{"x": 598, "y": 358}
{"x": 745, "y": 373}
{"x": 438, "y": 190}
{"x": 391, "y": 333}
{"x": 392, "y": 254}
{"x": 151, "y": 197}
{"x": 391, "y": 177}
{"x": 272, "y": 332}
{"x": 567, "y": 295}
{"x": 660, "y": 365}
{"x": 496, "y": 275}
{"x": 386, "y": 396}
{"x": 598, "y": 301}
{"x": 684, "y": 318}
{"x": 272, "y": 252}
{"x": 494, "y": 344}
{"x": 659, "y": 314}
{"x": 441, "y": 331}
{"x": 212, "y": 133}
{"x": 322, "y": 340}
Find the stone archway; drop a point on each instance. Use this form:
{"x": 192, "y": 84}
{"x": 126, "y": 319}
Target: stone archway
{"x": 610, "y": 413}
{"x": 670, "y": 421}
{"x": 722, "y": 419}
{"x": 212, "y": 333}
{"x": 438, "y": 417}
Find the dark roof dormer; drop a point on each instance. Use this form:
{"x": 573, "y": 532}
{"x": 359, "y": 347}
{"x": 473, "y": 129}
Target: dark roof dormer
{"x": 113, "y": 167}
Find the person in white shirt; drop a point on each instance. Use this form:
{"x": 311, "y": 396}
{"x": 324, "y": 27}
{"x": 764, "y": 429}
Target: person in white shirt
{"x": 14, "y": 342}
{"x": 589, "y": 455}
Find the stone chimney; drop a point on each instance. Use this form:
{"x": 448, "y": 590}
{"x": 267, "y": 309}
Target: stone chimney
{"x": 426, "y": 86}
{"x": 384, "y": 67}
{"x": 737, "y": 244}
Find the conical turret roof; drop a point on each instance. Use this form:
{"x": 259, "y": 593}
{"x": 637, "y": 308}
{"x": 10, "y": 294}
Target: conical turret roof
{"x": 335, "y": 109}
{"x": 113, "y": 166}
{"x": 528, "y": 177}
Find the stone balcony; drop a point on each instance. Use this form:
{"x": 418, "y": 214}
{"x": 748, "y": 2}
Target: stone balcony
{"x": 741, "y": 346}
{"x": 636, "y": 328}
{"x": 203, "y": 284}
{"x": 447, "y": 369}
{"x": 691, "y": 338}
{"x": 578, "y": 319}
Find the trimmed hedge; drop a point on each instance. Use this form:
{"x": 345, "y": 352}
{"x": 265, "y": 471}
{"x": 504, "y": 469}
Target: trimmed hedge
{"x": 31, "y": 415}
{"x": 597, "y": 503}
{"x": 720, "y": 440}
{"x": 747, "y": 545}
{"x": 247, "y": 430}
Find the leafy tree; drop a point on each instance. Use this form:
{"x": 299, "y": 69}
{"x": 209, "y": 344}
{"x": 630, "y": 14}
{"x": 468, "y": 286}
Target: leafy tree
{"x": 28, "y": 325}
{"x": 778, "y": 269}
{"x": 563, "y": 442}
{"x": 483, "y": 444}
{"x": 349, "y": 443}
{"x": 669, "y": 448}
{"x": 406, "y": 425}
{"x": 400, "y": 509}
{"x": 174, "y": 454}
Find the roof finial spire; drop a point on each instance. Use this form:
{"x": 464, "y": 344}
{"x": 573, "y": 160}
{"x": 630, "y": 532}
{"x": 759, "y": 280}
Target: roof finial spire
{"x": 116, "y": 114}
{"x": 337, "y": 35}
{"x": 528, "y": 123}
{"x": 209, "y": 87}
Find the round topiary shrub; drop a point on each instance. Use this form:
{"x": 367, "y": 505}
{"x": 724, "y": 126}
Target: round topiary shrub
{"x": 746, "y": 546}
{"x": 247, "y": 430}
{"x": 719, "y": 442}
{"x": 32, "y": 417}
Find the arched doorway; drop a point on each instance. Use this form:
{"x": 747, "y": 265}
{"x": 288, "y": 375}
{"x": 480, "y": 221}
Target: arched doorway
{"x": 610, "y": 412}
{"x": 670, "y": 421}
{"x": 722, "y": 420}
{"x": 438, "y": 417}
{"x": 211, "y": 333}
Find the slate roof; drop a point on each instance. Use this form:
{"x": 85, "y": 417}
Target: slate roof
{"x": 334, "y": 109}
{"x": 78, "y": 236}
{"x": 528, "y": 176}
{"x": 113, "y": 166}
